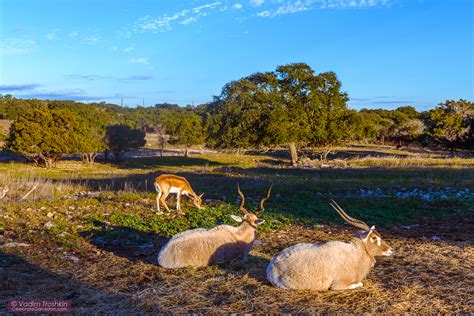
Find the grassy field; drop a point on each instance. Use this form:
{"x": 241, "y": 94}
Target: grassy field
{"x": 91, "y": 234}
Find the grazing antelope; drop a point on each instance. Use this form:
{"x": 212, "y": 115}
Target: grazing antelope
{"x": 334, "y": 265}
{"x": 201, "y": 247}
{"x": 166, "y": 184}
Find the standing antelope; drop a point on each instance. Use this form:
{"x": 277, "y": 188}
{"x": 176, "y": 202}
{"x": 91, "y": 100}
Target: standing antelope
{"x": 201, "y": 247}
{"x": 334, "y": 265}
{"x": 170, "y": 183}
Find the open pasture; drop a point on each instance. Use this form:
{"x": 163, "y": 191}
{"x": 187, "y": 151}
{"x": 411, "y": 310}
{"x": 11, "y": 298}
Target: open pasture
{"x": 91, "y": 234}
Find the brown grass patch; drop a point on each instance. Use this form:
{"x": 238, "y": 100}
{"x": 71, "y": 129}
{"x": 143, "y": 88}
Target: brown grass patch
{"x": 423, "y": 276}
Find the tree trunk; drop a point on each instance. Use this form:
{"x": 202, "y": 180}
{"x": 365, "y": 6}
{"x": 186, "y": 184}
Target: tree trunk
{"x": 186, "y": 152}
{"x": 293, "y": 153}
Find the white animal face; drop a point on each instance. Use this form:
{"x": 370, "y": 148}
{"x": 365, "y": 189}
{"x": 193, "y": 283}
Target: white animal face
{"x": 250, "y": 218}
{"x": 375, "y": 245}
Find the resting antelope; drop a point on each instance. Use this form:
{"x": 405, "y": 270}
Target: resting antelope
{"x": 334, "y": 265}
{"x": 201, "y": 247}
{"x": 166, "y": 184}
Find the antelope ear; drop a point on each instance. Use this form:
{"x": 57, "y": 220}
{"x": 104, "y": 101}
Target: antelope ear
{"x": 237, "y": 218}
{"x": 372, "y": 229}
{"x": 259, "y": 221}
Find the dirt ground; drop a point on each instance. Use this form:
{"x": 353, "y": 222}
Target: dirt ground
{"x": 431, "y": 271}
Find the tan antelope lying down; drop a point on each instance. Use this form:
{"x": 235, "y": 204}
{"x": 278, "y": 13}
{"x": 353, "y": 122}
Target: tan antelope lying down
{"x": 334, "y": 265}
{"x": 201, "y": 247}
{"x": 166, "y": 184}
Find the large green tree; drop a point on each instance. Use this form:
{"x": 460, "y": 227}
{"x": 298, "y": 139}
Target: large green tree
{"x": 44, "y": 136}
{"x": 451, "y": 124}
{"x": 121, "y": 138}
{"x": 290, "y": 106}
{"x": 184, "y": 127}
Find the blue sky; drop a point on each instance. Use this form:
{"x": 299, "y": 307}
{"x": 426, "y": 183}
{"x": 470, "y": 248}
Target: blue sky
{"x": 387, "y": 53}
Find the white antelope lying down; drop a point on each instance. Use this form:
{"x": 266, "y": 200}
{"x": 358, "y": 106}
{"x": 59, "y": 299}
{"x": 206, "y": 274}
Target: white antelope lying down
{"x": 201, "y": 247}
{"x": 334, "y": 265}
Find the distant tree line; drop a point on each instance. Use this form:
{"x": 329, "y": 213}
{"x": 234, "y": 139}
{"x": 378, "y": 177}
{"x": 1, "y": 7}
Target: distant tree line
{"x": 292, "y": 106}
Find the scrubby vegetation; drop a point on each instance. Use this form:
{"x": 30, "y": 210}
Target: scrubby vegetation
{"x": 90, "y": 233}
{"x": 290, "y": 107}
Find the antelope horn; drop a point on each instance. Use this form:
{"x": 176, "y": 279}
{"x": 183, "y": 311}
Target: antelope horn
{"x": 353, "y": 221}
{"x": 241, "y": 207}
{"x": 261, "y": 209}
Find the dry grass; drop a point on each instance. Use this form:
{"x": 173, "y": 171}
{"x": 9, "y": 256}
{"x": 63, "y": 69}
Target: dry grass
{"x": 121, "y": 276}
{"x": 422, "y": 277}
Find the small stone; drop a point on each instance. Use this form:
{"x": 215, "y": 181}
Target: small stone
{"x": 43, "y": 208}
{"x": 50, "y": 214}
{"x": 435, "y": 238}
{"x": 15, "y": 244}
{"x": 49, "y": 225}
{"x": 72, "y": 258}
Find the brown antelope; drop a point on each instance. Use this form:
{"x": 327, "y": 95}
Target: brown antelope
{"x": 334, "y": 265}
{"x": 166, "y": 184}
{"x": 201, "y": 247}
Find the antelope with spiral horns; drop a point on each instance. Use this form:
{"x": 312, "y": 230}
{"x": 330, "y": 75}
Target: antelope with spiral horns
{"x": 166, "y": 184}
{"x": 335, "y": 265}
{"x": 201, "y": 247}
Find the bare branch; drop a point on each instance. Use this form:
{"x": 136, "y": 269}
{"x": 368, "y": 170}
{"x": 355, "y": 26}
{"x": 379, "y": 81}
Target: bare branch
{"x": 29, "y": 192}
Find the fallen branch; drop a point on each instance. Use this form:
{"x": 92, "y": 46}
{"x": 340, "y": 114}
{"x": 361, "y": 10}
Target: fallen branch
{"x": 29, "y": 192}
{"x": 4, "y": 192}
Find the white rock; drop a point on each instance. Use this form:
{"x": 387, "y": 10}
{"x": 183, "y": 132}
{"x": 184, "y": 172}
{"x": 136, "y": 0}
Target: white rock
{"x": 15, "y": 244}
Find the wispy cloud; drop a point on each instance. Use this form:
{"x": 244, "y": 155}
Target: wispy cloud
{"x": 17, "y": 46}
{"x": 385, "y": 100}
{"x": 188, "y": 20}
{"x": 53, "y": 35}
{"x": 19, "y": 87}
{"x": 86, "y": 77}
{"x": 166, "y": 22}
{"x": 71, "y": 94}
{"x": 73, "y": 34}
{"x": 256, "y": 3}
{"x": 292, "y": 7}
{"x": 237, "y": 6}
{"x": 139, "y": 60}
{"x": 91, "y": 40}
{"x": 129, "y": 48}
{"x": 137, "y": 78}
{"x": 101, "y": 77}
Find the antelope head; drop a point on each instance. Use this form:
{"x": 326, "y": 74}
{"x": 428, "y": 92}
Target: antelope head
{"x": 251, "y": 218}
{"x": 197, "y": 200}
{"x": 370, "y": 238}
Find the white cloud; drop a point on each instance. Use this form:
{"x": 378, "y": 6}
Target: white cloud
{"x": 73, "y": 34}
{"x": 129, "y": 48}
{"x": 53, "y": 35}
{"x": 139, "y": 60}
{"x": 188, "y": 20}
{"x": 256, "y": 3}
{"x": 237, "y": 6}
{"x": 265, "y": 13}
{"x": 300, "y": 6}
{"x": 206, "y": 6}
{"x": 91, "y": 40}
{"x": 166, "y": 22}
{"x": 17, "y": 46}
